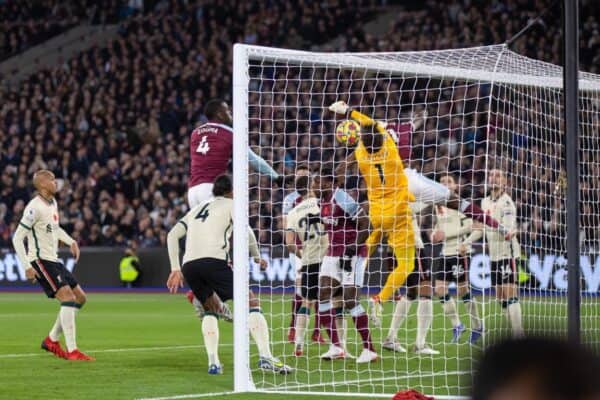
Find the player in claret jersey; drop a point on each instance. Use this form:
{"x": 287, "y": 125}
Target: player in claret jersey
{"x": 211, "y": 149}
{"x": 342, "y": 269}
{"x": 39, "y": 225}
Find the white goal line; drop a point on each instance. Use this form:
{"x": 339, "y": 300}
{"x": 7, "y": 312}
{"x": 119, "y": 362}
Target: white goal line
{"x": 121, "y": 350}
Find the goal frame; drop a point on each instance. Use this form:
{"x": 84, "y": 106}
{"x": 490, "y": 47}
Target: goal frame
{"x": 242, "y": 54}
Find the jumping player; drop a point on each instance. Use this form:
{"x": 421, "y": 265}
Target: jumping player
{"x": 40, "y": 226}
{"x": 206, "y": 270}
{"x": 342, "y": 268}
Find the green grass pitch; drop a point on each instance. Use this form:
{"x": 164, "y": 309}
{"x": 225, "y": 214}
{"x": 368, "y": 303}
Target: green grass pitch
{"x": 150, "y": 346}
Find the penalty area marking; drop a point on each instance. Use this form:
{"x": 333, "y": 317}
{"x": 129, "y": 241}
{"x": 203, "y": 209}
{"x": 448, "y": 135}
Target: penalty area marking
{"x": 122, "y": 350}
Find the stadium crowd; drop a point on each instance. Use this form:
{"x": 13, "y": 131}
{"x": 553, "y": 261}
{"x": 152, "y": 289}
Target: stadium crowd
{"x": 113, "y": 123}
{"x": 24, "y": 24}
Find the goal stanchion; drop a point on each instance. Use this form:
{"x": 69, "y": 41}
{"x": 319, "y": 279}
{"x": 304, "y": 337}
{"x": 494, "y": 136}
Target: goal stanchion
{"x": 470, "y": 111}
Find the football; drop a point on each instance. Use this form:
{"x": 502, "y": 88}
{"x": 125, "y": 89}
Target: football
{"x": 348, "y": 132}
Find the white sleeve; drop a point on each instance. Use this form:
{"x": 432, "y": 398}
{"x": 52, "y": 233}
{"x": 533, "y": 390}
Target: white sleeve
{"x": 177, "y": 232}
{"x": 30, "y": 216}
{"x": 64, "y": 237}
{"x": 347, "y": 203}
{"x": 253, "y": 244}
{"x": 18, "y": 241}
{"x": 509, "y": 216}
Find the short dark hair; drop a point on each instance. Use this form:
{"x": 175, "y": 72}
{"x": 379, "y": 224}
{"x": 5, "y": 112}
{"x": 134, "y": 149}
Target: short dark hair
{"x": 222, "y": 185}
{"x": 212, "y": 108}
{"x": 302, "y": 184}
{"x": 556, "y": 367}
{"x": 302, "y": 166}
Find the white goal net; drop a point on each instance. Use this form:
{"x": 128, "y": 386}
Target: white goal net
{"x": 485, "y": 121}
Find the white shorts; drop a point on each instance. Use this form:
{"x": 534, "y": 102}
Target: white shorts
{"x": 330, "y": 267}
{"x": 199, "y": 193}
{"x": 424, "y": 189}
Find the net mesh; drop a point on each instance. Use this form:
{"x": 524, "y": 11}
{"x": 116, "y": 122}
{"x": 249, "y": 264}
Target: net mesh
{"x": 471, "y": 111}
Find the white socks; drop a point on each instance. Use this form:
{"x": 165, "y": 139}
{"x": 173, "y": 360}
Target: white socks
{"x": 67, "y": 323}
{"x": 476, "y": 323}
{"x": 514, "y": 317}
{"x": 449, "y": 307}
{"x": 400, "y": 313}
{"x": 210, "y": 332}
{"x": 301, "y": 324}
{"x": 424, "y": 320}
{"x": 56, "y": 330}
{"x": 260, "y": 333}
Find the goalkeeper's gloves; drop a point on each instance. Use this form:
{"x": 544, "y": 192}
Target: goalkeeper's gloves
{"x": 339, "y": 107}
{"x": 346, "y": 261}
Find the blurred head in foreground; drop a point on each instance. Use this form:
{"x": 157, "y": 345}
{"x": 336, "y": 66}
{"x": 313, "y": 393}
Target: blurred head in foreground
{"x": 537, "y": 369}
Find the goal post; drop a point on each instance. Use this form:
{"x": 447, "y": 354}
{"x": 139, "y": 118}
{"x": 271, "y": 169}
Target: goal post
{"x": 485, "y": 107}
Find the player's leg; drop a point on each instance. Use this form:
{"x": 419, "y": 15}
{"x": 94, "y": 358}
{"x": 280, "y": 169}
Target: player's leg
{"x": 447, "y": 272}
{"x": 504, "y": 280}
{"x": 424, "y": 307}
{"x": 404, "y": 266}
{"x": 297, "y": 301}
{"x": 510, "y": 293}
{"x": 464, "y": 293}
{"x": 259, "y": 330}
{"x": 429, "y": 191}
{"x": 352, "y": 281}
{"x": 194, "y": 273}
{"x": 329, "y": 281}
{"x": 57, "y": 282}
{"x": 400, "y": 313}
{"x": 309, "y": 286}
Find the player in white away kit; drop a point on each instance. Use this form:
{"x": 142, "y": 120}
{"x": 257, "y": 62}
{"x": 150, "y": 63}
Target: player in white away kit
{"x": 452, "y": 228}
{"x": 303, "y": 222}
{"x": 207, "y": 272}
{"x": 290, "y": 201}
{"x": 40, "y": 227}
{"x": 504, "y": 254}
{"x": 211, "y": 149}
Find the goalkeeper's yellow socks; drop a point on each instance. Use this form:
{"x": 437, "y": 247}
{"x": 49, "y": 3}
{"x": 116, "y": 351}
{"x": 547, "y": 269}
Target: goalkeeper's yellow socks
{"x": 210, "y": 332}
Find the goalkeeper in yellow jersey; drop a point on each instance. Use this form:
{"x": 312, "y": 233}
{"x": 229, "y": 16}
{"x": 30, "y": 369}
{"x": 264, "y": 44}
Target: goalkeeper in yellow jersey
{"x": 381, "y": 167}
{"x": 377, "y": 158}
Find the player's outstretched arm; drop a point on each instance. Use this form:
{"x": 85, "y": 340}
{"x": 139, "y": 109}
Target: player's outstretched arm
{"x": 340, "y": 107}
{"x": 260, "y": 165}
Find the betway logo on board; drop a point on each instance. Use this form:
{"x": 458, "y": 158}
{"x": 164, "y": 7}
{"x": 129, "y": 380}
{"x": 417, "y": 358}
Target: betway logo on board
{"x": 12, "y": 271}
{"x": 550, "y": 271}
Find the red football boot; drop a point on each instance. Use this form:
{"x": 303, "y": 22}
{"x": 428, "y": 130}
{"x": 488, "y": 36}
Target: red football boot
{"x": 190, "y": 296}
{"x": 76, "y": 355}
{"x": 317, "y": 338}
{"x": 292, "y": 335}
{"x": 53, "y": 347}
